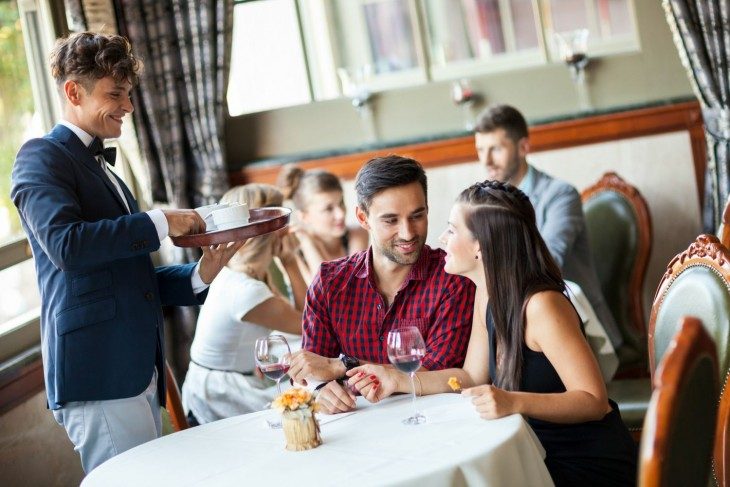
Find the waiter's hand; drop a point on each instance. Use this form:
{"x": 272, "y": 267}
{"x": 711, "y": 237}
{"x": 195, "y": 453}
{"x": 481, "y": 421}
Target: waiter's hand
{"x": 215, "y": 257}
{"x": 183, "y": 222}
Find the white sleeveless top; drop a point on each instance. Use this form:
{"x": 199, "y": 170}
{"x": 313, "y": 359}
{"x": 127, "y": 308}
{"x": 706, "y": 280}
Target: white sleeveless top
{"x": 222, "y": 340}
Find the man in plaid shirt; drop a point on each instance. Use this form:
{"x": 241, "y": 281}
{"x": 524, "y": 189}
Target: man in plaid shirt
{"x": 399, "y": 281}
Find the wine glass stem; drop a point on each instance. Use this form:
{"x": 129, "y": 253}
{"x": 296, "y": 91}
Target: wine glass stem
{"x": 278, "y": 386}
{"x": 413, "y": 390}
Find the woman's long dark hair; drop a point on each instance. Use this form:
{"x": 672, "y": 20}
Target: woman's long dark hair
{"x": 517, "y": 264}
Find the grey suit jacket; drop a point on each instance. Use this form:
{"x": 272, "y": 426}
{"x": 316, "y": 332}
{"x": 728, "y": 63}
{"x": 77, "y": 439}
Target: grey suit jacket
{"x": 559, "y": 214}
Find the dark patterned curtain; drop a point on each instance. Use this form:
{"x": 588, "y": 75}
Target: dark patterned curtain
{"x": 701, "y": 31}
{"x": 179, "y": 112}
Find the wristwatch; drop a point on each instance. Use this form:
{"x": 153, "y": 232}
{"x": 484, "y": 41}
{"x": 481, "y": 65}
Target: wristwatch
{"x": 349, "y": 362}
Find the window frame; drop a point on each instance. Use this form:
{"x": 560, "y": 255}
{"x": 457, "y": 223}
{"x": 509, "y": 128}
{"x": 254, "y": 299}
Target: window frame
{"x": 320, "y": 30}
{"x": 40, "y": 22}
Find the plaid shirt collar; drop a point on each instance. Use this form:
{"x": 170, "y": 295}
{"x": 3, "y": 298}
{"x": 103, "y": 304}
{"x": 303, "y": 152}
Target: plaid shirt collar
{"x": 364, "y": 268}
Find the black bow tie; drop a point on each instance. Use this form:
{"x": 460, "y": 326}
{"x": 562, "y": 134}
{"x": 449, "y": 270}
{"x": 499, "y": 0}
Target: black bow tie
{"x": 108, "y": 153}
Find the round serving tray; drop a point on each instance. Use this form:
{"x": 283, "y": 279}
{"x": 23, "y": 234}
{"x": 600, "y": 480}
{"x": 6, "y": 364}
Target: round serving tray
{"x": 261, "y": 221}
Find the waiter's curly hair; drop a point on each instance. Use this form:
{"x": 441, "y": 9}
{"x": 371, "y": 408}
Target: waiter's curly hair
{"x": 88, "y": 56}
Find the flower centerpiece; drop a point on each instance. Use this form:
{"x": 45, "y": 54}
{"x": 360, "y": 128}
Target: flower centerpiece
{"x": 301, "y": 429}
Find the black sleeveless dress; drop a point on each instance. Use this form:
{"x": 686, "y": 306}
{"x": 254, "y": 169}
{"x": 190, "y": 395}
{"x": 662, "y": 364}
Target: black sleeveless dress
{"x": 594, "y": 453}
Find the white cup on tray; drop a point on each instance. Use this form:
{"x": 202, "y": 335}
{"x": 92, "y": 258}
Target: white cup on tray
{"x": 235, "y": 215}
{"x": 205, "y": 214}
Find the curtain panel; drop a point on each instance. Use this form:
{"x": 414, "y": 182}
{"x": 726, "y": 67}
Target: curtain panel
{"x": 701, "y": 31}
{"x": 185, "y": 46}
{"x": 179, "y": 116}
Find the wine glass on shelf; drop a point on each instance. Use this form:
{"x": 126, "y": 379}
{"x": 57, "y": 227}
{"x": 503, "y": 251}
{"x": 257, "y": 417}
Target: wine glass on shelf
{"x": 273, "y": 357}
{"x": 405, "y": 351}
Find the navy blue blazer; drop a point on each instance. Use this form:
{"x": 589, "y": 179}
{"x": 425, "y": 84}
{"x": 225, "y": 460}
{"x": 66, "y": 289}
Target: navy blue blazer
{"x": 101, "y": 322}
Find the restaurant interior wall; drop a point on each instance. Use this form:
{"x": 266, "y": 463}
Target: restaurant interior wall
{"x": 652, "y": 73}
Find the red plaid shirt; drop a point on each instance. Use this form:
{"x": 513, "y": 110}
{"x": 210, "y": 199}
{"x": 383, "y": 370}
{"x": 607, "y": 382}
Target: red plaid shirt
{"x": 344, "y": 313}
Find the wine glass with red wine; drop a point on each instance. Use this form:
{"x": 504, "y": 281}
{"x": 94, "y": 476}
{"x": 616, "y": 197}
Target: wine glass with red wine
{"x": 405, "y": 351}
{"x": 272, "y": 358}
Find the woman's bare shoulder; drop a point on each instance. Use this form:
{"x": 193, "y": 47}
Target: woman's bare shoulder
{"x": 553, "y": 310}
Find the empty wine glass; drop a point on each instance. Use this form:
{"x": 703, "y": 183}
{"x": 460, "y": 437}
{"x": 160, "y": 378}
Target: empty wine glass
{"x": 405, "y": 351}
{"x": 272, "y": 358}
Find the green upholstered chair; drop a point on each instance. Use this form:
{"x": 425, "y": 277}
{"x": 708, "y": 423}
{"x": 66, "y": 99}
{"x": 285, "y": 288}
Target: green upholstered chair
{"x": 697, "y": 283}
{"x": 619, "y": 232}
{"x": 677, "y": 438}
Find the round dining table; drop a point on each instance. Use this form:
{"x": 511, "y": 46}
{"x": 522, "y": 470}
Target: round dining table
{"x": 369, "y": 446}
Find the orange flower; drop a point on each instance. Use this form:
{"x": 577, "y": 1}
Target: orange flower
{"x": 293, "y": 399}
{"x": 454, "y": 384}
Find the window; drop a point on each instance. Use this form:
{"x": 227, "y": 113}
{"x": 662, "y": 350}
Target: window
{"x": 303, "y": 50}
{"x": 610, "y": 23}
{"x": 18, "y": 117}
{"x": 267, "y": 60}
{"x": 28, "y": 108}
{"x": 471, "y": 36}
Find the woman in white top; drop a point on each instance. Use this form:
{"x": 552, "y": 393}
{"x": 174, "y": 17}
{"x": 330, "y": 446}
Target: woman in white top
{"x": 321, "y": 229}
{"x": 242, "y": 306}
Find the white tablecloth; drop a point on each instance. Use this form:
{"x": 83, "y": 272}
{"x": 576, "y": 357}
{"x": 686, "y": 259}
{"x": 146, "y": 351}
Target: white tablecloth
{"x": 367, "y": 447}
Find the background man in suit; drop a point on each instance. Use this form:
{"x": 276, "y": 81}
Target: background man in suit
{"x": 101, "y": 324}
{"x": 502, "y": 145}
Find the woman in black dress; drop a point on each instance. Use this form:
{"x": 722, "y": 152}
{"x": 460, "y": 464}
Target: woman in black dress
{"x": 527, "y": 353}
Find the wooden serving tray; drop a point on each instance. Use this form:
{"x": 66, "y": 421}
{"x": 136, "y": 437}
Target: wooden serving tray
{"x": 261, "y": 221}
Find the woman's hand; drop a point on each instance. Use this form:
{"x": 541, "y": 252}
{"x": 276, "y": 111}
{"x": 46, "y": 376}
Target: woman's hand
{"x": 374, "y": 382}
{"x": 492, "y": 402}
{"x": 287, "y": 247}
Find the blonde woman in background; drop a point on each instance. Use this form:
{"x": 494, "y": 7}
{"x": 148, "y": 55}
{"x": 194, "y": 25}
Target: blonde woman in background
{"x": 242, "y": 306}
{"x": 321, "y": 227}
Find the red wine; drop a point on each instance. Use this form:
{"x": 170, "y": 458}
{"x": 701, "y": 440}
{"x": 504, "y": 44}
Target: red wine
{"x": 274, "y": 371}
{"x": 408, "y": 363}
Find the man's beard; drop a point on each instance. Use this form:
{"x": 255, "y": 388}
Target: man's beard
{"x": 393, "y": 255}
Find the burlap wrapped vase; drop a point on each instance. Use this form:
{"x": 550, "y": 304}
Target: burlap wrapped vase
{"x": 301, "y": 429}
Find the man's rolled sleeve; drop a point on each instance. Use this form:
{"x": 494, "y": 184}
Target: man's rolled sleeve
{"x": 446, "y": 343}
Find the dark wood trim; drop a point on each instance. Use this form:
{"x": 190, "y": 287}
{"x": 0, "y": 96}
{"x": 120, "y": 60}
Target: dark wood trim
{"x": 21, "y": 379}
{"x": 569, "y": 133}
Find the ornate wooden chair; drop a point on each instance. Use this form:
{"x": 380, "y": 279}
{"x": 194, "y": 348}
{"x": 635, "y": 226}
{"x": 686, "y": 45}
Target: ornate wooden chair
{"x": 173, "y": 406}
{"x": 619, "y": 232}
{"x": 697, "y": 283}
{"x": 676, "y": 444}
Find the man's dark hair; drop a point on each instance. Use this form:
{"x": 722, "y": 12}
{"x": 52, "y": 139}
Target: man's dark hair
{"x": 505, "y": 117}
{"x": 86, "y": 57}
{"x": 381, "y": 173}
